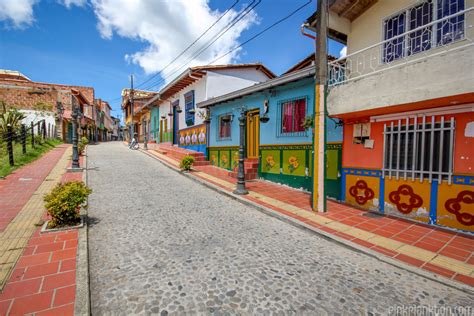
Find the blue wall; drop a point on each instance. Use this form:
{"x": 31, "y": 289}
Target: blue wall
{"x": 268, "y": 131}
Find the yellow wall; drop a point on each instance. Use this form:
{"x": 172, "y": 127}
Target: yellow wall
{"x": 407, "y": 198}
{"x": 363, "y": 191}
{"x": 456, "y": 206}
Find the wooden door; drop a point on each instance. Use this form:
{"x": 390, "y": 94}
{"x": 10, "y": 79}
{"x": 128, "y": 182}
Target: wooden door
{"x": 161, "y": 131}
{"x": 253, "y": 133}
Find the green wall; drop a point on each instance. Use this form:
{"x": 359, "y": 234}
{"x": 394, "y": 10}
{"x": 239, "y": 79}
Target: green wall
{"x": 286, "y": 164}
{"x": 224, "y": 157}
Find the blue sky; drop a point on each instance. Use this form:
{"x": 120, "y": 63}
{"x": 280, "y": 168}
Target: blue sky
{"x": 64, "y": 43}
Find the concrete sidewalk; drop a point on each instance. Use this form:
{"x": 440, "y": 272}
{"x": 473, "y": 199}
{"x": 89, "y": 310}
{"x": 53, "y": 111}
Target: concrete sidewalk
{"x": 436, "y": 253}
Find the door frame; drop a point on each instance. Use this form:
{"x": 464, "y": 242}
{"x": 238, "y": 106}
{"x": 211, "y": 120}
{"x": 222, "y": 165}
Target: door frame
{"x": 252, "y": 141}
{"x": 175, "y": 125}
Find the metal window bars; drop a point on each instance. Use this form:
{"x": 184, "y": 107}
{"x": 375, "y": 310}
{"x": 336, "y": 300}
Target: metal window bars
{"x": 419, "y": 150}
{"x": 414, "y": 45}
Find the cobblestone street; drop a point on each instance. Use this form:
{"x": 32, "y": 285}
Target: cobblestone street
{"x": 162, "y": 243}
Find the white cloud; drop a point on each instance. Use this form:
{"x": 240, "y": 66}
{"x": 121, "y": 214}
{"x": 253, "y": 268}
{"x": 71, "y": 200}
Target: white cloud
{"x": 343, "y": 52}
{"x": 17, "y": 12}
{"x": 168, "y": 27}
{"x": 69, "y": 3}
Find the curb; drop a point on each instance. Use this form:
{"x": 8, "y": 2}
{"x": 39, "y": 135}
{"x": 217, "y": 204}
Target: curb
{"x": 346, "y": 243}
{"x": 82, "y": 303}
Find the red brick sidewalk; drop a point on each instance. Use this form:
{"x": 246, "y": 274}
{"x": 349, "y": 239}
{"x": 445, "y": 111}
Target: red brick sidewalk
{"x": 443, "y": 252}
{"x": 17, "y": 188}
{"x": 44, "y": 279}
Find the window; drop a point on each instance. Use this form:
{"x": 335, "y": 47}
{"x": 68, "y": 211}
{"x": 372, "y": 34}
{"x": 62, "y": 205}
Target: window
{"x": 414, "y": 18}
{"x": 189, "y": 107}
{"x": 292, "y": 116}
{"x": 452, "y": 29}
{"x": 419, "y": 148}
{"x": 225, "y": 126}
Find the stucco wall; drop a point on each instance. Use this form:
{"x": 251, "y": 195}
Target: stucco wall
{"x": 214, "y": 83}
{"x": 451, "y": 73}
{"x": 268, "y": 131}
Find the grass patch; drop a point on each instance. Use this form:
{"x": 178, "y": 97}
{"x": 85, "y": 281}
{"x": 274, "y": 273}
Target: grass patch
{"x": 20, "y": 159}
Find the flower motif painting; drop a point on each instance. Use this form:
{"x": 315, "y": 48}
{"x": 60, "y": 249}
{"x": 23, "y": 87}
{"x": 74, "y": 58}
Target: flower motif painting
{"x": 361, "y": 192}
{"x": 405, "y": 199}
{"x": 462, "y": 207}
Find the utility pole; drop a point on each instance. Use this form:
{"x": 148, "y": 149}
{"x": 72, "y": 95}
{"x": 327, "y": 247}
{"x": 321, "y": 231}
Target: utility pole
{"x": 319, "y": 156}
{"x": 132, "y": 133}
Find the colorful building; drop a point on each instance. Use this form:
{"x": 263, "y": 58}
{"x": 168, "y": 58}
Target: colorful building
{"x": 172, "y": 112}
{"x": 405, "y": 92}
{"x": 137, "y": 117}
{"x": 278, "y": 147}
{"x": 49, "y": 102}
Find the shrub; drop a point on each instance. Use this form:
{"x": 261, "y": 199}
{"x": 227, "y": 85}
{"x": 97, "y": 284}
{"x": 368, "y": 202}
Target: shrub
{"x": 80, "y": 147}
{"x": 84, "y": 140}
{"x": 64, "y": 201}
{"x": 38, "y": 139}
{"x": 186, "y": 163}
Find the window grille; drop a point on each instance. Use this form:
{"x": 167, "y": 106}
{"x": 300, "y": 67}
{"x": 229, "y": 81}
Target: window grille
{"x": 225, "y": 127}
{"x": 291, "y": 115}
{"x": 419, "y": 148}
{"x": 413, "y": 18}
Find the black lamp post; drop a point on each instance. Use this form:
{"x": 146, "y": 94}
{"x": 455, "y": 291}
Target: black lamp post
{"x": 240, "y": 189}
{"x": 75, "y": 152}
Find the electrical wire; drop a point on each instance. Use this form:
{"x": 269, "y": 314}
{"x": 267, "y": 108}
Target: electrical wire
{"x": 204, "y": 47}
{"x": 190, "y": 45}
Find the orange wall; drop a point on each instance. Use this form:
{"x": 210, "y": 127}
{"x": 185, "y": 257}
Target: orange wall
{"x": 463, "y": 146}
{"x": 356, "y": 156}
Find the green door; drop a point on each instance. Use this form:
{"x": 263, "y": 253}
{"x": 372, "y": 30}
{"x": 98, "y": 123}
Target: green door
{"x": 69, "y": 133}
{"x": 333, "y": 170}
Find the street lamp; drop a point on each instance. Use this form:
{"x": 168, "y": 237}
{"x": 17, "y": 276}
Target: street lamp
{"x": 240, "y": 189}
{"x": 75, "y": 116}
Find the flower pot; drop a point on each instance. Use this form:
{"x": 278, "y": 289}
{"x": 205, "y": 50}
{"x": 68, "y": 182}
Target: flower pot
{"x": 192, "y": 111}
{"x": 264, "y": 119}
{"x": 179, "y": 111}
{"x": 163, "y": 117}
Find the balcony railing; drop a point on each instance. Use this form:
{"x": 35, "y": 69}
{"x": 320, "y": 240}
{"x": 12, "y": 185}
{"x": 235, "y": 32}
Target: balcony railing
{"x": 449, "y": 33}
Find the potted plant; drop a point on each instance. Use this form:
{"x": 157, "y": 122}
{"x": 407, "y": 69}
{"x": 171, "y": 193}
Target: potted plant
{"x": 186, "y": 163}
{"x": 308, "y": 122}
{"x": 264, "y": 118}
{"x": 192, "y": 111}
{"x": 64, "y": 202}
{"x": 205, "y": 116}
{"x": 163, "y": 117}
{"x": 227, "y": 118}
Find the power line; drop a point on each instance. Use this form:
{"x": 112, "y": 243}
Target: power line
{"x": 190, "y": 45}
{"x": 226, "y": 28}
{"x": 263, "y": 31}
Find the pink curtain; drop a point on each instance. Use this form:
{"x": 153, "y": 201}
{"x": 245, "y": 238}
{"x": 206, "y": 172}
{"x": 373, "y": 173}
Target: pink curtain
{"x": 288, "y": 117}
{"x": 300, "y": 112}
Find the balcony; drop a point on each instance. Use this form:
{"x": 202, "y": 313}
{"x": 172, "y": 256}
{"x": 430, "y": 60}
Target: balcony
{"x": 431, "y": 61}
